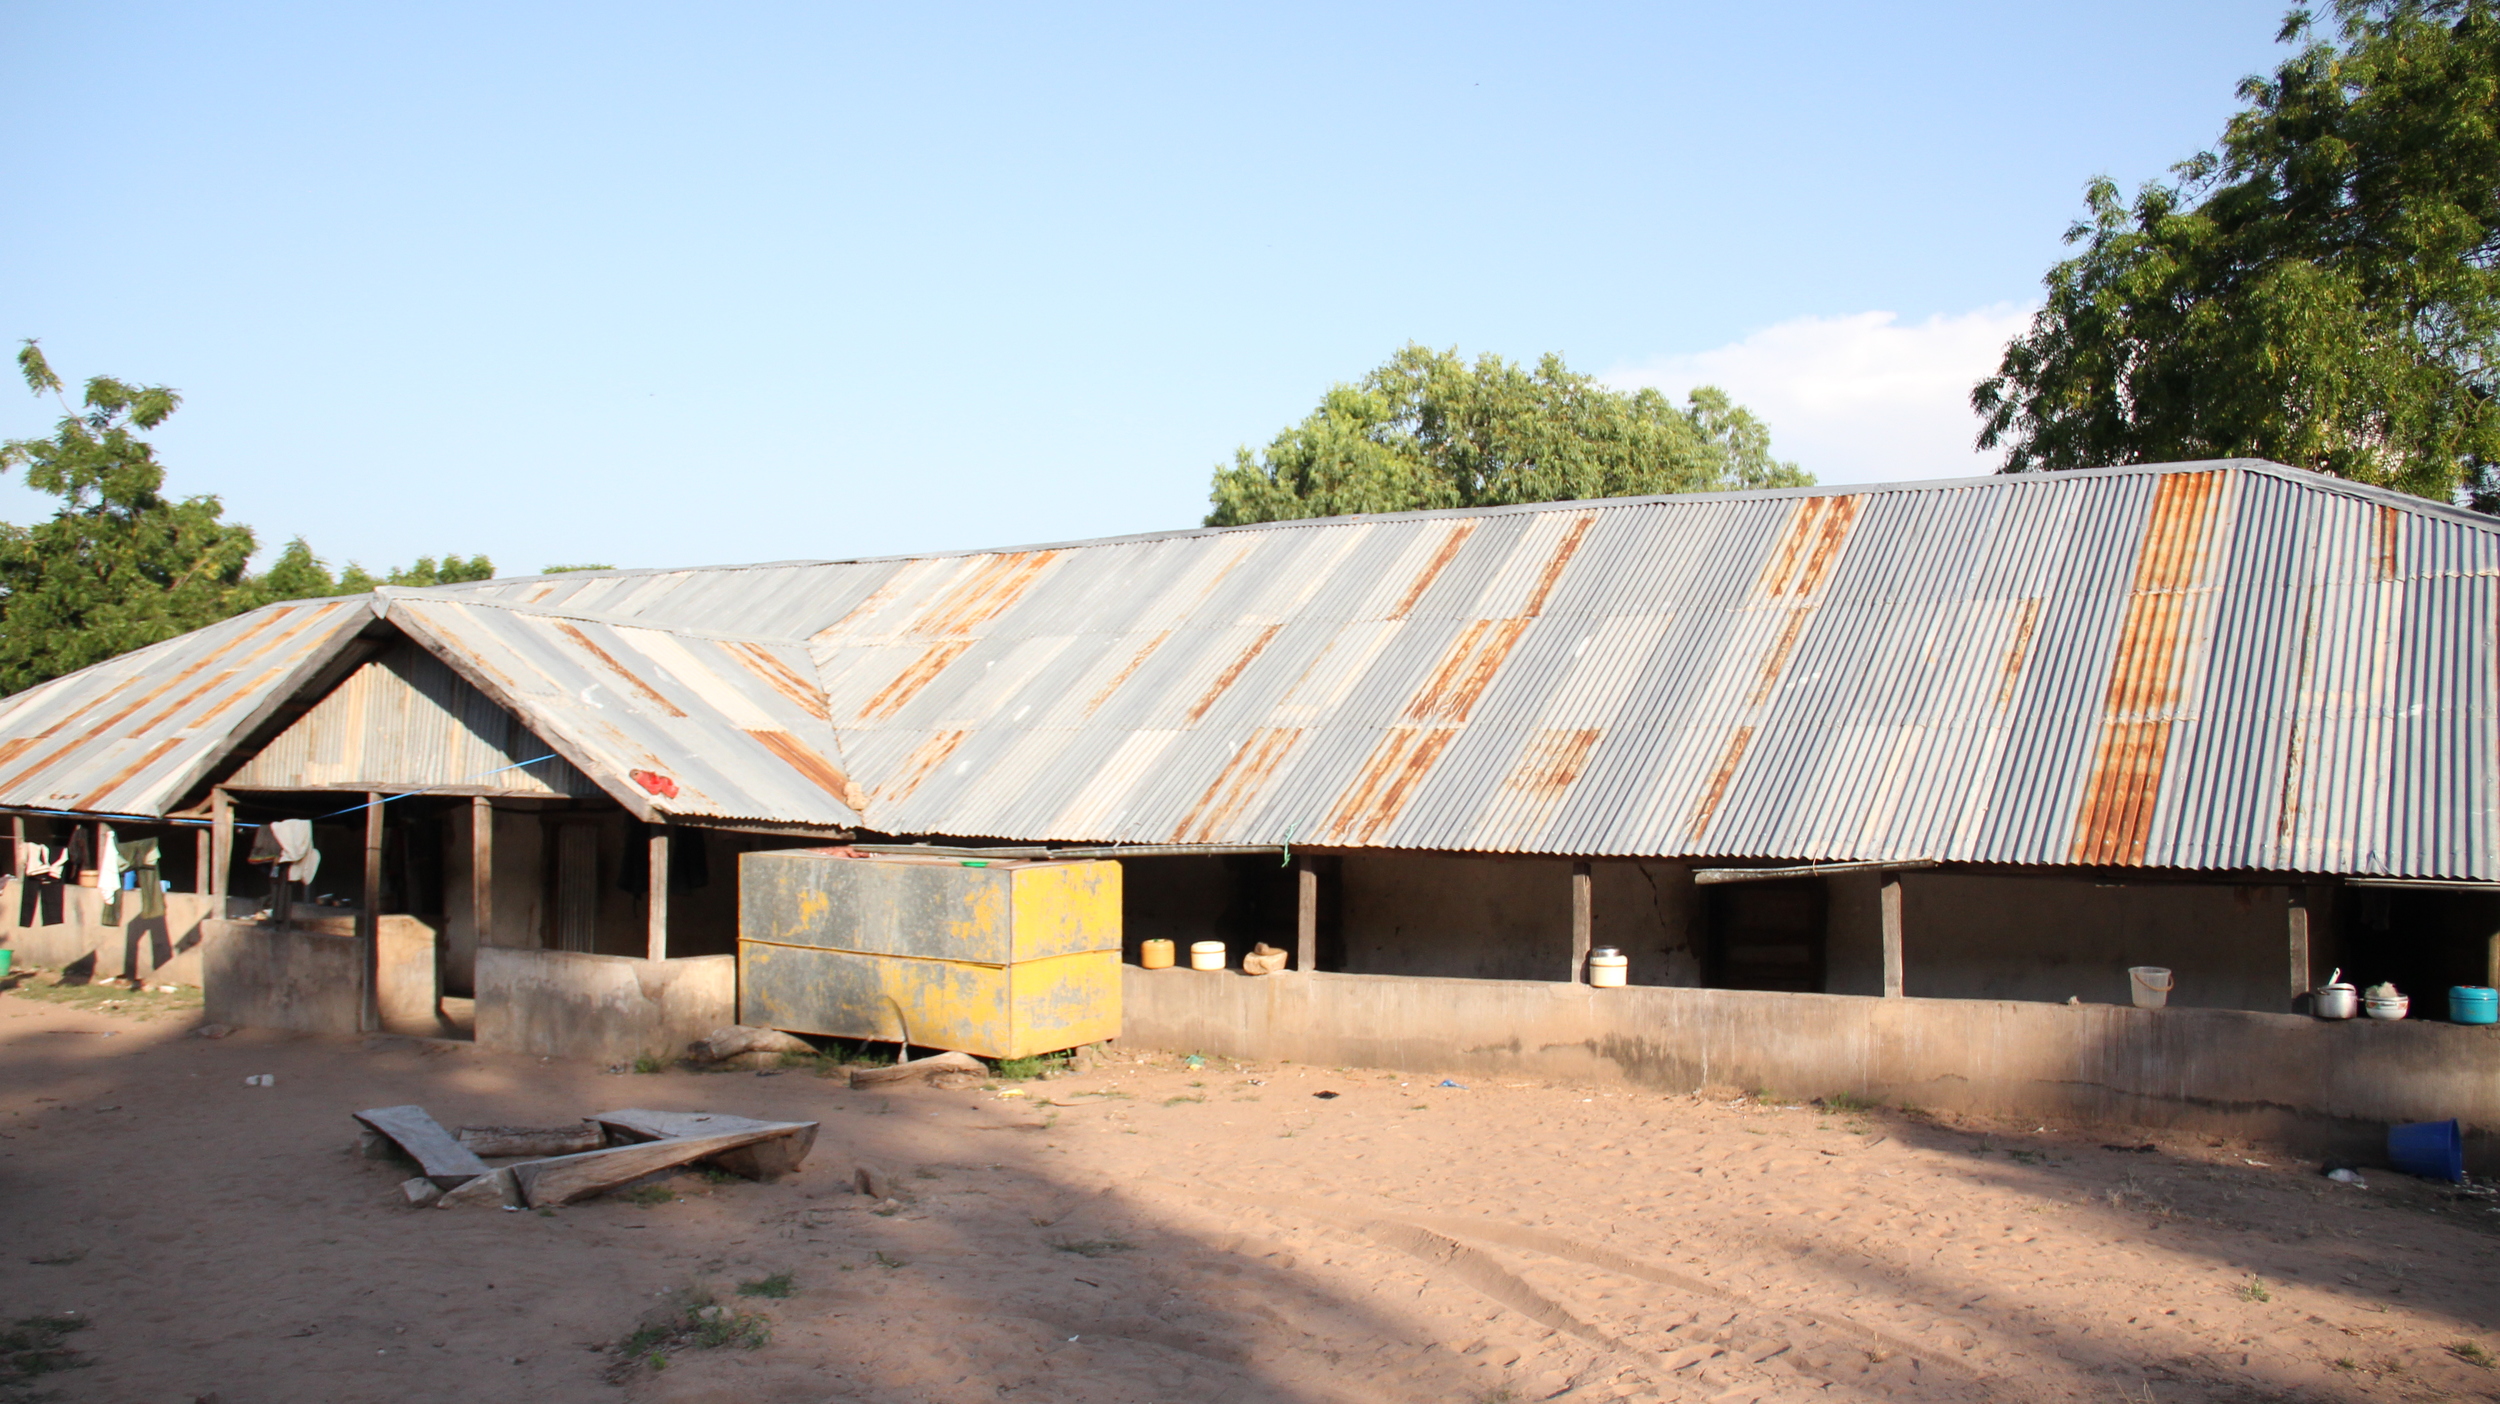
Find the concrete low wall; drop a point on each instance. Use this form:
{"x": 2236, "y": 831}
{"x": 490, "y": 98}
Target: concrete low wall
{"x": 166, "y": 948}
{"x": 570, "y": 1004}
{"x": 2325, "y": 1087}
{"x": 305, "y": 977}
{"x": 266, "y": 977}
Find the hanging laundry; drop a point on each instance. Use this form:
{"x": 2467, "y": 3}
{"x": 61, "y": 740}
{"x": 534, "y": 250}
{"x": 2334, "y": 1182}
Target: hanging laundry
{"x": 108, "y": 866}
{"x": 288, "y": 842}
{"x": 39, "y": 888}
{"x": 138, "y": 863}
{"x": 79, "y": 856}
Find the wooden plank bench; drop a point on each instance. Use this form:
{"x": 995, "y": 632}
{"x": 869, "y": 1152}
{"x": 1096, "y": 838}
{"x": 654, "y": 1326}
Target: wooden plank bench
{"x": 439, "y": 1157}
{"x": 775, "y": 1151}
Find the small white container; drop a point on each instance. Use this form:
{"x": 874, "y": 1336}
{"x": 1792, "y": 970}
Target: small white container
{"x": 2151, "y": 984}
{"x": 2387, "y": 1006}
{"x": 1607, "y": 967}
{"x": 1206, "y": 955}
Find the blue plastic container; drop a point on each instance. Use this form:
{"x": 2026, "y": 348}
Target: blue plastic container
{"x": 2433, "y": 1150}
{"x": 2473, "y": 1004}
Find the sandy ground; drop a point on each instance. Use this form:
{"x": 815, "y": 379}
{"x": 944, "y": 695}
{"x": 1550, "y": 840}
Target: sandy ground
{"x": 1219, "y": 1233}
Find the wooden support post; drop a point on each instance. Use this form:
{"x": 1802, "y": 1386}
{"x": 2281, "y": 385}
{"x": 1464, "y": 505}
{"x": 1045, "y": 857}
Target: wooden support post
{"x": 220, "y": 849}
{"x": 659, "y": 892}
{"x": 1583, "y": 922}
{"x": 2297, "y": 943}
{"x": 17, "y": 844}
{"x": 482, "y": 869}
{"x": 1306, "y": 916}
{"x": 1892, "y": 935}
{"x": 369, "y": 918}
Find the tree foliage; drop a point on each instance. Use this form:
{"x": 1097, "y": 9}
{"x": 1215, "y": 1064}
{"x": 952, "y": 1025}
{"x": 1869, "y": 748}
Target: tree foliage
{"x": 1426, "y": 429}
{"x": 2321, "y": 291}
{"x": 119, "y": 565}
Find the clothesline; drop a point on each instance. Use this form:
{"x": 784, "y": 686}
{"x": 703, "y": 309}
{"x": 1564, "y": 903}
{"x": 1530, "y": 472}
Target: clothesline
{"x": 412, "y": 794}
{"x": 202, "y": 823}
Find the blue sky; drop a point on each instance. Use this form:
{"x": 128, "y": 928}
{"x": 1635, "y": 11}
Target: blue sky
{"x": 685, "y": 285}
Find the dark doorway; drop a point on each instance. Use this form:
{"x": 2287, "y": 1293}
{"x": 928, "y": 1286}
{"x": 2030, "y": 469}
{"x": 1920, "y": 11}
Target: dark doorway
{"x": 1766, "y": 936}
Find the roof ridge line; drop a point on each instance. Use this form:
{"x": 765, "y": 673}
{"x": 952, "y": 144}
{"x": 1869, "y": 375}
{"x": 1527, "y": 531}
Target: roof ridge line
{"x": 397, "y": 594}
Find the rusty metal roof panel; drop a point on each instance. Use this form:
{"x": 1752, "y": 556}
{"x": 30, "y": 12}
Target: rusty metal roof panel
{"x": 132, "y": 734}
{"x": 2220, "y": 665}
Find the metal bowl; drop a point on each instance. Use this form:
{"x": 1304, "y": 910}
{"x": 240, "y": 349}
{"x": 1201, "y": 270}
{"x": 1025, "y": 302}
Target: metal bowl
{"x": 2334, "y": 1001}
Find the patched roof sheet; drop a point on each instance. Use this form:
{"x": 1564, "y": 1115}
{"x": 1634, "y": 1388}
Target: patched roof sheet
{"x": 2226, "y": 665}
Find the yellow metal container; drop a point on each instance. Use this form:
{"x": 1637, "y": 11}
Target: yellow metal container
{"x": 1004, "y": 960}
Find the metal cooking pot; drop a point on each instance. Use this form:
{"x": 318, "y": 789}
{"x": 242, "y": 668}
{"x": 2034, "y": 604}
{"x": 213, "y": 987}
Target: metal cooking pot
{"x": 2334, "y": 1001}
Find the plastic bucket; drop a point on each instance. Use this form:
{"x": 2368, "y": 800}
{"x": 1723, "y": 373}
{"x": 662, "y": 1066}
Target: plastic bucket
{"x": 6, "y": 954}
{"x": 2151, "y": 984}
{"x": 1608, "y": 968}
{"x": 2433, "y": 1150}
{"x": 1206, "y": 955}
{"x": 1155, "y": 954}
{"x": 2467, "y": 1004}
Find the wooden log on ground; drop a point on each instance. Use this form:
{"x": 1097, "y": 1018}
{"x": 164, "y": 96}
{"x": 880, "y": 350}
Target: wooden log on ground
{"x": 768, "y": 1160}
{"x": 918, "y": 1068}
{"x": 570, "y": 1177}
{"x": 445, "y": 1161}
{"x": 532, "y": 1140}
{"x": 496, "y": 1189}
{"x": 735, "y": 1039}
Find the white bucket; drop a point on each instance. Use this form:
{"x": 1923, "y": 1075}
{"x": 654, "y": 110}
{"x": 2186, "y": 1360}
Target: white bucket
{"x": 1607, "y": 967}
{"x": 2151, "y": 984}
{"x": 1206, "y": 955}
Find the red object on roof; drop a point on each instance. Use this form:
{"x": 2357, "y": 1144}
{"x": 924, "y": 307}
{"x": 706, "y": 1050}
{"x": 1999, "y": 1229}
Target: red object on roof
{"x": 654, "y": 782}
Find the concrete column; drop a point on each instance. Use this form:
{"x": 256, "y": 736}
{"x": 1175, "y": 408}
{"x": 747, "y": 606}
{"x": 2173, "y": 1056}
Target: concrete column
{"x": 369, "y": 919}
{"x": 17, "y": 844}
{"x": 1891, "y": 903}
{"x": 1583, "y": 922}
{"x": 482, "y": 869}
{"x": 658, "y": 939}
{"x": 220, "y": 847}
{"x": 2297, "y": 943}
{"x": 1306, "y": 915}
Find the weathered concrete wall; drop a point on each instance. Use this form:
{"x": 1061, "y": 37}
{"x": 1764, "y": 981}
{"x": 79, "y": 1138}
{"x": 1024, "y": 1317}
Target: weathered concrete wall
{"x": 2324, "y": 1086}
{"x": 165, "y": 948}
{"x": 1510, "y": 918}
{"x": 1966, "y": 937}
{"x": 264, "y": 977}
{"x": 572, "y": 1004}
{"x": 305, "y": 977}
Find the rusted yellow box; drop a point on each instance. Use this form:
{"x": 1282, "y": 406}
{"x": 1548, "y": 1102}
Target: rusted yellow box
{"x": 1004, "y": 960}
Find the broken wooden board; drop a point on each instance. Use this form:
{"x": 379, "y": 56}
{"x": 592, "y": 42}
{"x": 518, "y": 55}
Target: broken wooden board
{"x": 943, "y": 1063}
{"x": 769, "y": 1159}
{"x": 445, "y": 1161}
{"x": 570, "y": 1177}
{"x": 496, "y": 1189}
{"x": 532, "y": 1140}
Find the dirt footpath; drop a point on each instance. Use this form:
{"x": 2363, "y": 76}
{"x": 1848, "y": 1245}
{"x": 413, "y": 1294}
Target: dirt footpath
{"x": 1158, "y": 1232}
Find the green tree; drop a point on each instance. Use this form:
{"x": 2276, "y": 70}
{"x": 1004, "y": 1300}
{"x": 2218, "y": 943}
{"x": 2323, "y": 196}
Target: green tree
{"x": 120, "y": 565}
{"x": 2321, "y": 291}
{"x": 298, "y": 574}
{"x": 1428, "y": 430}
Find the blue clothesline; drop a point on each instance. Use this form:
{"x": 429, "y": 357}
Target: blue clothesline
{"x": 351, "y": 809}
{"x": 412, "y": 794}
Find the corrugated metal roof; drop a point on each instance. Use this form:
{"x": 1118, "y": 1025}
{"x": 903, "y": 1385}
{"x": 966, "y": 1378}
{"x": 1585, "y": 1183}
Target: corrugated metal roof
{"x": 2226, "y": 665}
{"x": 133, "y": 734}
